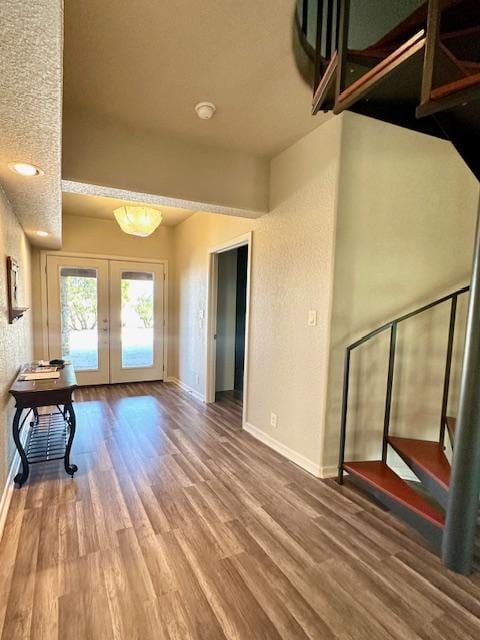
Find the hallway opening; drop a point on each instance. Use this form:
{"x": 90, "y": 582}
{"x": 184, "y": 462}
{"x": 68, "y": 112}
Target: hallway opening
{"x": 227, "y": 325}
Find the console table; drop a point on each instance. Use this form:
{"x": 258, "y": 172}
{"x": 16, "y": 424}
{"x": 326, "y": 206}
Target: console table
{"x": 51, "y": 434}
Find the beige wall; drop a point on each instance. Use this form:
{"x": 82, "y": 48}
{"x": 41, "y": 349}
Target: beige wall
{"x": 292, "y": 272}
{"x": 111, "y": 154}
{"x": 104, "y": 237}
{"x": 405, "y": 226}
{"x": 16, "y": 338}
{"x": 192, "y": 239}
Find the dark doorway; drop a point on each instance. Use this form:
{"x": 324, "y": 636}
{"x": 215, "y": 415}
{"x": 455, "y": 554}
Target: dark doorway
{"x": 241, "y": 310}
{"x": 230, "y": 326}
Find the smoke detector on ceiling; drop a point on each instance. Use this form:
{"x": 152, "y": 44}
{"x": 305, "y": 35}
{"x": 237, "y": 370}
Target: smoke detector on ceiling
{"x": 205, "y": 110}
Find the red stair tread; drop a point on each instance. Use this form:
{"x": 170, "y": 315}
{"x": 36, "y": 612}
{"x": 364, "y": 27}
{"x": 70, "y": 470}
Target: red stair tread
{"x": 379, "y": 475}
{"x": 425, "y": 454}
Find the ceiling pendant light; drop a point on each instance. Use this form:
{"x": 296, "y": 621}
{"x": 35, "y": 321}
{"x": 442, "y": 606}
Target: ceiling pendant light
{"x": 138, "y": 221}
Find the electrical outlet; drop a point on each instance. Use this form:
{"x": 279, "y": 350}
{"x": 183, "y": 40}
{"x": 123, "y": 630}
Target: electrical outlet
{"x": 273, "y": 420}
{"x": 197, "y": 379}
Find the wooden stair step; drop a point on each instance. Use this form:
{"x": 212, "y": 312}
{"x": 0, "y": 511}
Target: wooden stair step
{"x": 380, "y": 477}
{"x": 427, "y": 455}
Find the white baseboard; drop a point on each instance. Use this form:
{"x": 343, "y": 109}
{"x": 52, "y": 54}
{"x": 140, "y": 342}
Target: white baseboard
{"x": 9, "y": 487}
{"x": 329, "y": 472}
{"x": 196, "y": 394}
{"x": 285, "y": 451}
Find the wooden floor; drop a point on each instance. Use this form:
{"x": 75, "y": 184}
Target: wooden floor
{"x": 178, "y": 525}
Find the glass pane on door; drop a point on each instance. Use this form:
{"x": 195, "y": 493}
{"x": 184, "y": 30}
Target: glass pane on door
{"x": 137, "y": 317}
{"x": 79, "y": 317}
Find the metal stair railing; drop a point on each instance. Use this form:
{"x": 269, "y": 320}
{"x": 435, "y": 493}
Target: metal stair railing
{"x": 392, "y": 327}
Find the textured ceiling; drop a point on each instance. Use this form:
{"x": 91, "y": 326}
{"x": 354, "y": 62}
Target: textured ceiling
{"x": 100, "y": 207}
{"x": 148, "y": 63}
{"x": 30, "y": 111}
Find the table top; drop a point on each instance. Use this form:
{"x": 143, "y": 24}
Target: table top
{"x": 66, "y": 382}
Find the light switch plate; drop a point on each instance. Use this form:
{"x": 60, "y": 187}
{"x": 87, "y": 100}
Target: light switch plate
{"x": 312, "y": 318}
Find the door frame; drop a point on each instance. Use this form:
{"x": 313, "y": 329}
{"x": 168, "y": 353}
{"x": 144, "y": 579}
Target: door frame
{"x": 211, "y": 320}
{"x": 44, "y": 343}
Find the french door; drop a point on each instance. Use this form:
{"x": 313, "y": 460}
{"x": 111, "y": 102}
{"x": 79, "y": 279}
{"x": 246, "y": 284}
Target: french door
{"x": 107, "y": 317}
{"x": 136, "y": 321}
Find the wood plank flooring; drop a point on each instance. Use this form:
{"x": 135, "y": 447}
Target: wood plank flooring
{"x": 179, "y": 526}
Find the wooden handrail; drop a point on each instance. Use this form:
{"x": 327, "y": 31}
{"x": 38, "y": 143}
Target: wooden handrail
{"x": 410, "y": 47}
{"x": 457, "y": 85}
{"x": 327, "y": 78}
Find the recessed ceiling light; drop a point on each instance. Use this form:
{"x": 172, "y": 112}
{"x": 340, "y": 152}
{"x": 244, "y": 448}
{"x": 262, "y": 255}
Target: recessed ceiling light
{"x": 25, "y": 169}
{"x": 205, "y": 110}
{"x": 42, "y": 234}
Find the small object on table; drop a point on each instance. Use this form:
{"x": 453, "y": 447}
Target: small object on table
{"x": 58, "y": 362}
{"x": 51, "y": 434}
{"x": 38, "y": 372}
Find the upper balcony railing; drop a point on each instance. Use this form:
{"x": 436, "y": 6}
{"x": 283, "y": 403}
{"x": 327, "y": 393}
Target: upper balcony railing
{"x": 356, "y": 44}
{"x": 318, "y": 22}
{"x": 451, "y": 74}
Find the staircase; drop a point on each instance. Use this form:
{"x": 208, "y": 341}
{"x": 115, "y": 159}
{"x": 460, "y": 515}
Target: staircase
{"x": 425, "y": 458}
{"x": 415, "y": 64}
{"x": 409, "y": 62}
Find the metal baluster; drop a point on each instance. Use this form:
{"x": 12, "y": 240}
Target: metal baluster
{"x": 342, "y": 45}
{"x": 337, "y": 24}
{"x": 343, "y": 428}
{"x": 388, "y": 398}
{"x": 329, "y": 30}
{"x": 305, "y": 17}
{"x": 318, "y": 45}
{"x": 448, "y": 368}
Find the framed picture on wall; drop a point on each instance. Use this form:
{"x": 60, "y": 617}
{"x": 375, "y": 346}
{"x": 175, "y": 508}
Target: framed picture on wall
{"x": 15, "y": 311}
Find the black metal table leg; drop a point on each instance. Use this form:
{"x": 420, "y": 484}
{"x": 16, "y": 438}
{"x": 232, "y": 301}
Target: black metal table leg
{"x": 70, "y": 468}
{"x": 35, "y": 416}
{"x": 22, "y": 476}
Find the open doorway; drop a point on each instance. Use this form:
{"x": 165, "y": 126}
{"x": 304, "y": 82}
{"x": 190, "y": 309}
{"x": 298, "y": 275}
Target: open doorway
{"x": 228, "y": 326}
{"x": 230, "y": 333}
